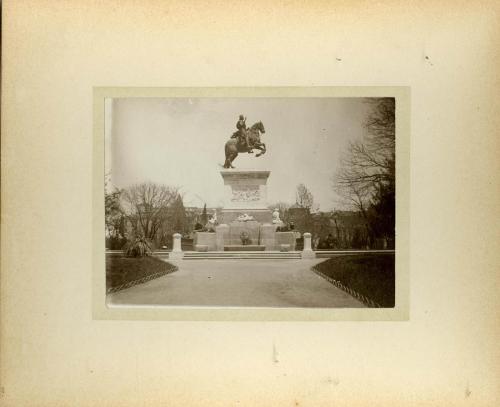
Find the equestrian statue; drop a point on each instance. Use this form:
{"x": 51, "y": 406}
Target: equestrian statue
{"x": 244, "y": 141}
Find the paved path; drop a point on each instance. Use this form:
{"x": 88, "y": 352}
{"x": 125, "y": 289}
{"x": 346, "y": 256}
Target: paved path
{"x": 251, "y": 283}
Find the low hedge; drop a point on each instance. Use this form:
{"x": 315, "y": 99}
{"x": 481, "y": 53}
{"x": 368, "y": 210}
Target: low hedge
{"x": 121, "y": 270}
{"x": 371, "y": 275}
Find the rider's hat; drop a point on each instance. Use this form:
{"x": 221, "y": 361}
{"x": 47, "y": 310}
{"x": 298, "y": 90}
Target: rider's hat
{"x": 241, "y": 117}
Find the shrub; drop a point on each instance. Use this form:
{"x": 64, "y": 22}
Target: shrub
{"x": 138, "y": 247}
{"x": 115, "y": 243}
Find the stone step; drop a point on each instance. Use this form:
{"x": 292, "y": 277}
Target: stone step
{"x": 261, "y": 253}
{"x": 269, "y": 252}
{"x": 241, "y": 258}
{"x": 334, "y": 253}
{"x": 244, "y": 255}
{"x": 241, "y": 255}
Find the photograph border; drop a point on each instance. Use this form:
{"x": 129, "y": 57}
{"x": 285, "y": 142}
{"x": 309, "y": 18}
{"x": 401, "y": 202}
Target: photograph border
{"x": 400, "y": 312}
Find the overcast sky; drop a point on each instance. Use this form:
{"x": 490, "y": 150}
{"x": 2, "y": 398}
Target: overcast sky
{"x": 180, "y": 142}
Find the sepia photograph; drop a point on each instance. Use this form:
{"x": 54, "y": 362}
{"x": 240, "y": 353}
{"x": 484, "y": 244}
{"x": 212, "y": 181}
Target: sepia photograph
{"x": 213, "y": 204}
{"x": 250, "y": 201}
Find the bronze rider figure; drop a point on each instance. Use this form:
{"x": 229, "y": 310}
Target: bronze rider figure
{"x": 242, "y": 132}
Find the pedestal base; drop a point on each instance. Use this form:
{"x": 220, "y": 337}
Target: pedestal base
{"x": 260, "y": 215}
{"x": 236, "y": 229}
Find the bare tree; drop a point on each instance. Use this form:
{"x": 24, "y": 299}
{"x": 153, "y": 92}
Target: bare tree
{"x": 148, "y": 205}
{"x": 370, "y": 161}
{"x": 368, "y": 166}
{"x": 283, "y": 208}
{"x": 113, "y": 212}
{"x": 303, "y": 197}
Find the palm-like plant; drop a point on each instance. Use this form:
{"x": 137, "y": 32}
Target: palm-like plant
{"x": 138, "y": 247}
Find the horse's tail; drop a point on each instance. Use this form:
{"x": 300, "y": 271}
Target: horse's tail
{"x": 230, "y": 151}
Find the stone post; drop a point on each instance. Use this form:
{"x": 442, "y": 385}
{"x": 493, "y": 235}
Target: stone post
{"x": 176, "y": 252}
{"x": 307, "y": 252}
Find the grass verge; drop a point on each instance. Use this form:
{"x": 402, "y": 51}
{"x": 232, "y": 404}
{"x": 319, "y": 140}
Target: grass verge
{"x": 123, "y": 272}
{"x": 371, "y": 275}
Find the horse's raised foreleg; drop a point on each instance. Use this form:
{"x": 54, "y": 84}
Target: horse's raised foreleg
{"x": 262, "y": 148}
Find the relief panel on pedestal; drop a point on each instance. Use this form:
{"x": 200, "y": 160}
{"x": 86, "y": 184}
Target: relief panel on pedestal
{"x": 247, "y": 193}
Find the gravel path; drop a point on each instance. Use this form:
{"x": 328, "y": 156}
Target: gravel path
{"x": 239, "y": 283}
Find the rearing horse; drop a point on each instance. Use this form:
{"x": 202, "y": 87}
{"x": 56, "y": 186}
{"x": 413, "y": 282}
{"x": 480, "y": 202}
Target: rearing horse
{"x": 233, "y": 146}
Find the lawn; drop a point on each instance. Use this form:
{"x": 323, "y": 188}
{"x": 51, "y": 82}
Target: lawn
{"x": 121, "y": 270}
{"x": 371, "y": 275}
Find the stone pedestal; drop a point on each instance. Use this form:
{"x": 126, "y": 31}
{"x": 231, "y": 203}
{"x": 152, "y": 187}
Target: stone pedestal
{"x": 245, "y": 191}
{"x": 176, "y": 252}
{"x": 246, "y": 194}
{"x": 307, "y": 253}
